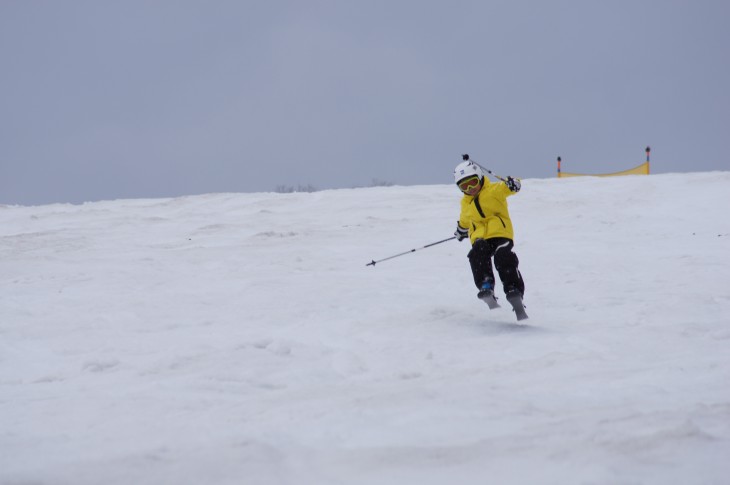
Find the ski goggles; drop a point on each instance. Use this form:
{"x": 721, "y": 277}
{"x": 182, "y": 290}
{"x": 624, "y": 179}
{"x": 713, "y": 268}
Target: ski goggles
{"x": 469, "y": 183}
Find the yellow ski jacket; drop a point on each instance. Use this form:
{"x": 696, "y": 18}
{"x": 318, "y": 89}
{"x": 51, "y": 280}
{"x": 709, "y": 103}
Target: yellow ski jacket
{"x": 486, "y": 215}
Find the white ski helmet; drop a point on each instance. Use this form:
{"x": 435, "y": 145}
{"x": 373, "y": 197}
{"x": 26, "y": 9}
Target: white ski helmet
{"x": 467, "y": 169}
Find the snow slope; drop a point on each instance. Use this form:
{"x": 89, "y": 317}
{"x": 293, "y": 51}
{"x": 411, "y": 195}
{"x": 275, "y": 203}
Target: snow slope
{"x": 240, "y": 338}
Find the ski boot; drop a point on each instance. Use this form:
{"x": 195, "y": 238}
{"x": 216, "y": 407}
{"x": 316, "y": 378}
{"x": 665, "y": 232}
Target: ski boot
{"x": 486, "y": 294}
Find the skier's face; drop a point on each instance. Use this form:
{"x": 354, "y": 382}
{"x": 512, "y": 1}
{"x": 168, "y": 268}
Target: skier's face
{"x": 471, "y": 185}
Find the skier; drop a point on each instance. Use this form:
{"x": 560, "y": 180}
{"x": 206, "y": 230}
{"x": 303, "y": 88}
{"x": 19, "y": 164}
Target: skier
{"x": 485, "y": 220}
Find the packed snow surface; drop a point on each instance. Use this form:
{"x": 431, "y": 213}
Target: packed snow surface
{"x": 241, "y": 338}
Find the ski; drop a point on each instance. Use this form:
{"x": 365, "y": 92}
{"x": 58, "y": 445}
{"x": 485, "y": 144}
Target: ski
{"x": 491, "y": 301}
{"x": 516, "y": 301}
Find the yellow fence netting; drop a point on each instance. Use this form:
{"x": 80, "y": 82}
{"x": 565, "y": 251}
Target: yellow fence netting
{"x": 642, "y": 169}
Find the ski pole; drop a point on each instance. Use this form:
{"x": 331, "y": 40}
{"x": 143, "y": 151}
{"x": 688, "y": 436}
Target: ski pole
{"x": 466, "y": 158}
{"x": 372, "y": 263}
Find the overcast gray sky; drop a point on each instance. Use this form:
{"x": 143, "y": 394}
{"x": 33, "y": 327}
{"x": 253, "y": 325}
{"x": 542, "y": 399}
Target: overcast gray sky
{"x": 140, "y": 98}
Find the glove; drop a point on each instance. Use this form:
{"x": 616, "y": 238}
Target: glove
{"x": 461, "y": 233}
{"x": 513, "y": 184}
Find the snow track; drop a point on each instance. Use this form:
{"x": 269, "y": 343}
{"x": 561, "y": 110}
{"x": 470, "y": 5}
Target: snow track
{"x": 240, "y": 338}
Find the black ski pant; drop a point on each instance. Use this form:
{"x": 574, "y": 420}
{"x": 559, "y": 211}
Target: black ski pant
{"x": 505, "y": 260}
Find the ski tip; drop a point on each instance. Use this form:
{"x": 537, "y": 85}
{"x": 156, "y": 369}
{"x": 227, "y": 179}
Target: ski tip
{"x": 517, "y": 306}
{"x": 491, "y": 302}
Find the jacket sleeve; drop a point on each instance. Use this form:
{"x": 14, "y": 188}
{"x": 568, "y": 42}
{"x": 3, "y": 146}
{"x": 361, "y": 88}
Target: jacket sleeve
{"x": 504, "y": 190}
{"x": 464, "y": 222}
